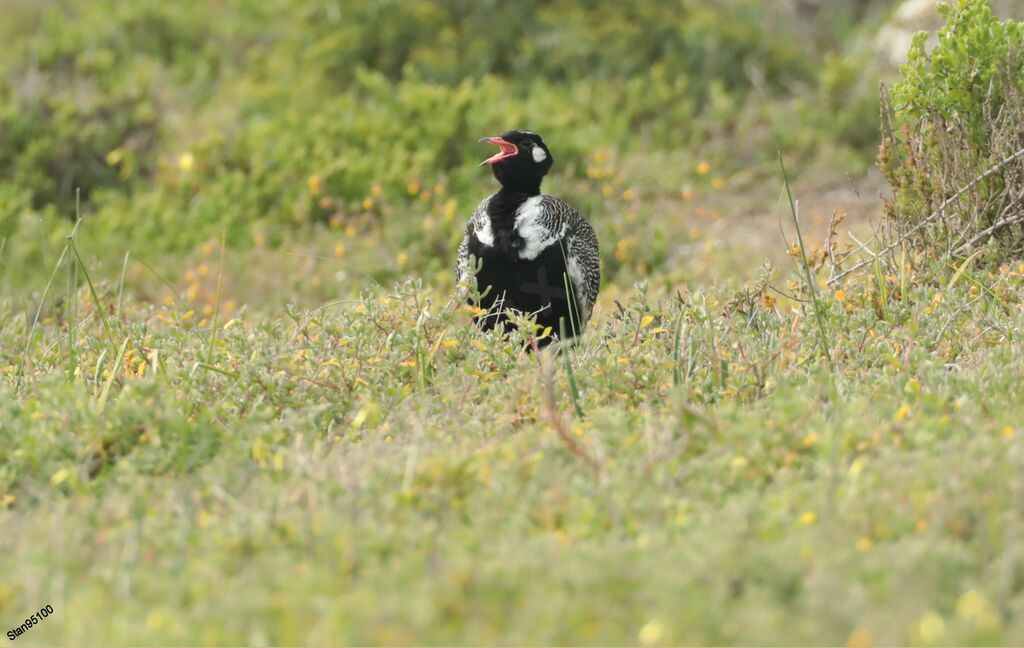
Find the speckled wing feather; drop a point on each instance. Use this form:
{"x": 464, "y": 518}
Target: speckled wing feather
{"x": 583, "y": 259}
{"x": 463, "y": 260}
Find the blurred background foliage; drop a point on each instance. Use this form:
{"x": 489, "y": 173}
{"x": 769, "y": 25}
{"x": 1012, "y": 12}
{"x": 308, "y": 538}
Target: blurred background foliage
{"x": 196, "y": 460}
{"x": 180, "y": 121}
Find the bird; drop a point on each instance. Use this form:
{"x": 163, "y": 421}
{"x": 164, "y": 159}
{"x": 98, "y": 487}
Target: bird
{"x": 529, "y": 252}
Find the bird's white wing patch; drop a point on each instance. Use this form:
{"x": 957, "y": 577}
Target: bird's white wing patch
{"x": 578, "y": 281}
{"x": 483, "y": 231}
{"x": 531, "y": 226}
{"x": 575, "y": 272}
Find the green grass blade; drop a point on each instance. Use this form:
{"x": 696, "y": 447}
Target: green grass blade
{"x": 113, "y": 374}
{"x": 573, "y": 390}
{"x": 818, "y": 307}
{"x": 95, "y": 296}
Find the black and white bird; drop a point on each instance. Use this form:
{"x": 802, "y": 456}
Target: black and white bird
{"x": 536, "y": 253}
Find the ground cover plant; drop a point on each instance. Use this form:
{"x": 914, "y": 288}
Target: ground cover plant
{"x": 239, "y": 404}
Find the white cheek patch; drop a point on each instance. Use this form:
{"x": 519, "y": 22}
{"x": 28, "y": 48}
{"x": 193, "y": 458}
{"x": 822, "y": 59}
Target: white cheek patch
{"x": 539, "y": 155}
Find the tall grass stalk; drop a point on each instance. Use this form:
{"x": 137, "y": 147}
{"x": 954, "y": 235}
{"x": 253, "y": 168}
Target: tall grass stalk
{"x": 570, "y": 293}
{"x": 819, "y": 307}
{"x": 216, "y": 306}
{"x": 30, "y": 335}
{"x": 883, "y": 290}
{"x": 92, "y": 290}
{"x": 120, "y": 286}
{"x": 70, "y": 302}
{"x": 105, "y": 393}
{"x": 677, "y": 359}
{"x": 574, "y": 391}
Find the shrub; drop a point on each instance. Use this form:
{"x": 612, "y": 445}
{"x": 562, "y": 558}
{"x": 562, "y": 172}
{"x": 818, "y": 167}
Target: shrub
{"x": 181, "y": 121}
{"x": 953, "y": 132}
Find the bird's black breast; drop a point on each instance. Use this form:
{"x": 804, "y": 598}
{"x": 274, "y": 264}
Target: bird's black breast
{"x": 534, "y": 286}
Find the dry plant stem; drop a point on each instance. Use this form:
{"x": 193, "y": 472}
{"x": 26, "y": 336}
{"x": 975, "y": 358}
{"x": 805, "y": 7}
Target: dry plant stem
{"x": 861, "y": 247}
{"x": 819, "y": 315}
{"x": 934, "y": 215}
{"x": 558, "y": 423}
{"x": 984, "y": 234}
{"x": 830, "y": 239}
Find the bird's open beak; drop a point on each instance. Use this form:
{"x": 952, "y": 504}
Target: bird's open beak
{"x": 508, "y": 149}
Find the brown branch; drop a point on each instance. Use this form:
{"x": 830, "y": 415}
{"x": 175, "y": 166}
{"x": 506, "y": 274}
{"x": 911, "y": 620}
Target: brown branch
{"x": 558, "y": 423}
{"x": 989, "y": 231}
{"x": 931, "y": 217}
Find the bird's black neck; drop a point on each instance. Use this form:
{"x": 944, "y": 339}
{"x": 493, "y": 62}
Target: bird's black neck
{"x": 502, "y": 209}
{"x": 503, "y": 205}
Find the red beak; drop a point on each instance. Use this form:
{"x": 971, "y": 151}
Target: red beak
{"x": 508, "y": 149}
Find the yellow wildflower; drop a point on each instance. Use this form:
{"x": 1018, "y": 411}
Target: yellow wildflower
{"x": 902, "y": 412}
{"x": 931, "y": 627}
{"x": 60, "y": 476}
{"x": 652, "y": 633}
{"x": 859, "y": 638}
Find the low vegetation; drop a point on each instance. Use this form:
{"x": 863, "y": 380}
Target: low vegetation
{"x": 954, "y": 137}
{"x": 238, "y": 404}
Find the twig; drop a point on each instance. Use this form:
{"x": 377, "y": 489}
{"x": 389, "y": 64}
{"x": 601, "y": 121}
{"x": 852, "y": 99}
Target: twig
{"x": 931, "y": 217}
{"x": 830, "y": 241}
{"x": 559, "y": 424}
{"x": 788, "y": 296}
{"x": 988, "y": 231}
{"x": 819, "y": 314}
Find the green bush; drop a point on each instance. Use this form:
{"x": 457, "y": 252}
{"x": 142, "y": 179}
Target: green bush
{"x": 180, "y": 121}
{"x": 952, "y": 125}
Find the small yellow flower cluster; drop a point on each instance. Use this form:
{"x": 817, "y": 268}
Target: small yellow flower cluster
{"x": 133, "y": 363}
{"x": 201, "y": 289}
{"x": 704, "y": 179}
{"x": 624, "y": 249}
{"x": 601, "y": 165}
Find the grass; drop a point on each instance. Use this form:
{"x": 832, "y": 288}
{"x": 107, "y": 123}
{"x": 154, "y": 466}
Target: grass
{"x": 379, "y": 471}
{"x": 240, "y": 405}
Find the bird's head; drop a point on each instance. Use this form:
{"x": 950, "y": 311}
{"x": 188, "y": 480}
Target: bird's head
{"x": 522, "y": 162}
